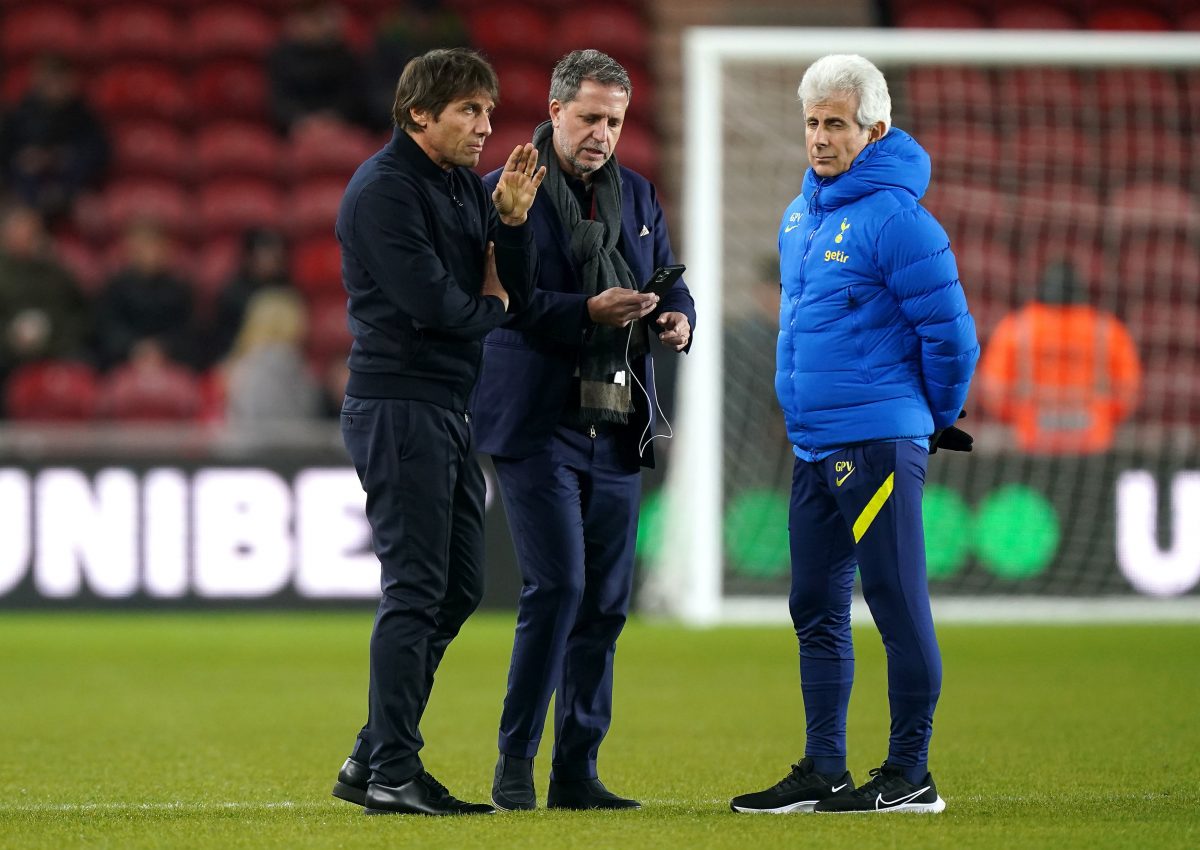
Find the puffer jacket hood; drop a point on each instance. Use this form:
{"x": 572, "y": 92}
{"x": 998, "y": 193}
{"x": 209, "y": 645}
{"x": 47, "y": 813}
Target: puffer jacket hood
{"x": 876, "y": 342}
{"x": 894, "y": 162}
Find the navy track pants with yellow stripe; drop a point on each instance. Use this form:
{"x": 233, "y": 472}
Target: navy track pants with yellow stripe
{"x": 862, "y": 507}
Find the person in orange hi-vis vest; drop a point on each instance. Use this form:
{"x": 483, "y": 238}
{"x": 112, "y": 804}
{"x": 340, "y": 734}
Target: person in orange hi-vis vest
{"x": 1062, "y": 372}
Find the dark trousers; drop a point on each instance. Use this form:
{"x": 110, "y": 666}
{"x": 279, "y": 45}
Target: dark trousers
{"x": 572, "y": 510}
{"x": 425, "y": 498}
{"x": 862, "y": 507}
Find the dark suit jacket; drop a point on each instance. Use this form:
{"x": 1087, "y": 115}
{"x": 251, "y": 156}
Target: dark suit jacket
{"x": 528, "y": 363}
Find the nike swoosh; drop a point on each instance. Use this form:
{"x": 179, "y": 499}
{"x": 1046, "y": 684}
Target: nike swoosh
{"x": 841, "y": 480}
{"x": 790, "y": 228}
{"x": 839, "y": 788}
{"x": 899, "y": 801}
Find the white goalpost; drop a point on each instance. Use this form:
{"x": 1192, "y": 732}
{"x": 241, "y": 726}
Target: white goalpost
{"x": 1033, "y": 137}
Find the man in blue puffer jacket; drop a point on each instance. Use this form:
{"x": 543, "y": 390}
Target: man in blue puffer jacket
{"x": 875, "y": 355}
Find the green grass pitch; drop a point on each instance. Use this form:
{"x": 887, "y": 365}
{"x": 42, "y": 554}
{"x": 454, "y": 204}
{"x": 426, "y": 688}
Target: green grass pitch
{"x": 225, "y": 731}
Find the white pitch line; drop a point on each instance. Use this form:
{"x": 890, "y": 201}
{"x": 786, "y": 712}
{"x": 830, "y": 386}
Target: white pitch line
{"x": 174, "y": 806}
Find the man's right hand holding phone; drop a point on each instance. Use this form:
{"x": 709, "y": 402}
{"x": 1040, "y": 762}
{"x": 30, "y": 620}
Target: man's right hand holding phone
{"x": 618, "y": 307}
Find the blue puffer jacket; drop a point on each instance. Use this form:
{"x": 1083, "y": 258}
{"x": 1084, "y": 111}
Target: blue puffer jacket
{"x": 875, "y": 339}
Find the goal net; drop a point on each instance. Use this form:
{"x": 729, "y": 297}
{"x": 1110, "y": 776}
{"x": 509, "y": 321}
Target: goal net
{"x": 1066, "y": 172}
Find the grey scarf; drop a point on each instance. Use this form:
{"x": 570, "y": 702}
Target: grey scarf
{"x": 594, "y": 253}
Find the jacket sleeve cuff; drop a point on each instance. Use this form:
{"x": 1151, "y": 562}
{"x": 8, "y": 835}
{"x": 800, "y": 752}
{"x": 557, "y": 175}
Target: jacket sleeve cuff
{"x": 513, "y": 236}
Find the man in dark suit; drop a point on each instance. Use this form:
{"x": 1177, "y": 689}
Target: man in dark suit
{"x": 564, "y": 406}
{"x": 425, "y": 284}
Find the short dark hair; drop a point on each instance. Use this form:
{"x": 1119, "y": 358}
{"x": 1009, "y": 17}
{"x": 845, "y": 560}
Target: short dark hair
{"x": 433, "y": 80}
{"x": 580, "y": 65}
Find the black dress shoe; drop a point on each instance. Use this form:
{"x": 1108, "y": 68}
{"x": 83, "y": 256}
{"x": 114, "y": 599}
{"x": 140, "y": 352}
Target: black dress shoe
{"x": 586, "y": 794}
{"x": 421, "y": 795}
{"x": 352, "y": 782}
{"x": 512, "y": 789}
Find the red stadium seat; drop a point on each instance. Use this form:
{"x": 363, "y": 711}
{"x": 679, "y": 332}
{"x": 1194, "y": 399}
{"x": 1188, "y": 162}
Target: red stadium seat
{"x": 150, "y": 148}
{"x": 52, "y": 391}
{"x": 162, "y": 392}
{"x": 1163, "y": 207}
{"x": 327, "y": 149}
{"x": 1169, "y": 394}
{"x": 328, "y": 334}
{"x": 512, "y": 31}
{"x": 524, "y": 94}
{"x": 136, "y": 31}
{"x": 1073, "y": 157}
{"x": 1033, "y": 16}
{"x": 968, "y": 211}
{"x": 140, "y": 90}
{"x": 937, "y": 15}
{"x": 1043, "y": 95}
{"x": 235, "y": 149}
{"x": 312, "y": 208}
{"x": 233, "y": 205}
{"x": 986, "y": 267}
{"x": 16, "y": 83}
{"x": 1128, "y": 19}
{"x": 1162, "y": 329}
{"x": 945, "y": 94}
{"x": 619, "y": 32}
{"x": 1131, "y": 154}
{"x": 230, "y": 31}
{"x": 230, "y": 89}
{"x": 1166, "y": 264}
{"x": 163, "y": 201}
{"x": 317, "y": 267}
{"x": 48, "y": 28}
{"x": 1135, "y": 90}
{"x": 962, "y": 151}
{"x": 1060, "y": 207}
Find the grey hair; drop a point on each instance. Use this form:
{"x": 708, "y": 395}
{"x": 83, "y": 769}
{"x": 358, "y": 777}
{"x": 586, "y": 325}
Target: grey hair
{"x": 848, "y": 74}
{"x": 580, "y": 65}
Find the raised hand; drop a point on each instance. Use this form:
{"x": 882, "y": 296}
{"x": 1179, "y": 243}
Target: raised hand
{"x": 518, "y": 184}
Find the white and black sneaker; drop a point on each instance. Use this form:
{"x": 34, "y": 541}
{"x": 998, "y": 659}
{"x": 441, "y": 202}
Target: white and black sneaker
{"x": 888, "y": 791}
{"x": 799, "y": 791}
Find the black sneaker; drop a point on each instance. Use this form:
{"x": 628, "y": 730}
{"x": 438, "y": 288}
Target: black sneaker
{"x": 888, "y": 791}
{"x": 799, "y": 791}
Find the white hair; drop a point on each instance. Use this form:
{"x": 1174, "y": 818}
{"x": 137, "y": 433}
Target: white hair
{"x": 841, "y": 74}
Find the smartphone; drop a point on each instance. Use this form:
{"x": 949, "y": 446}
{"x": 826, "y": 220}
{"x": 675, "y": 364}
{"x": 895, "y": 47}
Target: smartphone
{"x": 664, "y": 278}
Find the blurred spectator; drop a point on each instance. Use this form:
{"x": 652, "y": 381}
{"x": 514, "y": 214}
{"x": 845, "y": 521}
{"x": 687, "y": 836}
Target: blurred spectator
{"x": 266, "y": 376}
{"x": 263, "y": 264}
{"x": 51, "y": 143}
{"x": 1063, "y": 373}
{"x": 409, "y": 30}
{"x": 42, "y": 312}
{"x": 150, "y": 388}
{"x": 313, "y": 71}
{"x": 145, "y": 302}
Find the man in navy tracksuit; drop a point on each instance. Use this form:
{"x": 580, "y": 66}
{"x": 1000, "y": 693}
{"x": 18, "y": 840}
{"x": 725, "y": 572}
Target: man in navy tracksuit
{"x": 875, "y": 354}
{"x": 563, "y": 407}
{"x": 425, "y": 285}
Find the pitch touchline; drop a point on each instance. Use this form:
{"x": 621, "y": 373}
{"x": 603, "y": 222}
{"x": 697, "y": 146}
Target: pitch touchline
{"x": 149, "y": 807}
